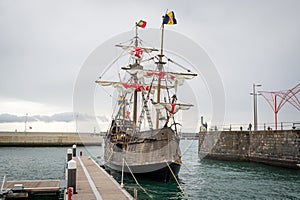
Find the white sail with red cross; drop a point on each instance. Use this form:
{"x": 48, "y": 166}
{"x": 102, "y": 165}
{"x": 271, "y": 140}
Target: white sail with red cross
{"x": 172, "y": 108}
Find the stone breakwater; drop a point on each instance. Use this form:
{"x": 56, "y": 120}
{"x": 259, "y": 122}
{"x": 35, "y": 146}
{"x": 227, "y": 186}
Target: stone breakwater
{"x": 48, "y": 139}
{"x": 278, "y": 148}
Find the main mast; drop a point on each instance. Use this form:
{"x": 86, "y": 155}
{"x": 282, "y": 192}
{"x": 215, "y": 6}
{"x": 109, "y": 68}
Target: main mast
{"x": 160, "y": 67}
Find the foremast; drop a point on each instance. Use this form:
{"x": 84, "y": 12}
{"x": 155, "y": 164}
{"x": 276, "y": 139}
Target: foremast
{"x": 135, "y": 96}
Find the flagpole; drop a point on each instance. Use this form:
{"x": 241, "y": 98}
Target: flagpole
{"x": 162, "y": 42}
{"x": 136, "y": 34}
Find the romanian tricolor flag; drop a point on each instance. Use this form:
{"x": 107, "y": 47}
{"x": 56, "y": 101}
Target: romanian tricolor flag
{"x": 169, "y": 18}
{"x": 141, "y": 24}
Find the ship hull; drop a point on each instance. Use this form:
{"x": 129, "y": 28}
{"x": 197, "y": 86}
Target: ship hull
{"x": 161, "y": 174}
{"x": 154, "y": 154}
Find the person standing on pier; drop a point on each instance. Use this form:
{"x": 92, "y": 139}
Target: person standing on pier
{"x": 250, "y": 127}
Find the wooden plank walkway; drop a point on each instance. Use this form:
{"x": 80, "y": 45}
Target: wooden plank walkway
{"x": 93, "y": 182}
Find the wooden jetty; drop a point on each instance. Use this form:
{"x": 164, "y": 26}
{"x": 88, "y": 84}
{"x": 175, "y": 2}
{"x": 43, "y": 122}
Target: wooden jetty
{"x": 24, "y": 189}
{"x": 86, "y": 177}
{"x": 35, "y": 185}
{"x": 93, "y": 182}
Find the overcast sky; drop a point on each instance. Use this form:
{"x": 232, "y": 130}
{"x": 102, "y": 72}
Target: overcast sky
{"x": 43, "y": 45}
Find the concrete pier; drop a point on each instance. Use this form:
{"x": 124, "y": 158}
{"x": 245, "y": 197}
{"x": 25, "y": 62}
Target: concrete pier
{"x": 277, "y": 148}
{"x": 49, "y": 139}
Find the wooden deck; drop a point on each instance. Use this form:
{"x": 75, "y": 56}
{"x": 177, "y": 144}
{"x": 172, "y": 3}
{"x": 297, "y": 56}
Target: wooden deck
{"x": 35, "y": 185}
{"x": 25, "y": 189}
{"x": 93, "y": 182}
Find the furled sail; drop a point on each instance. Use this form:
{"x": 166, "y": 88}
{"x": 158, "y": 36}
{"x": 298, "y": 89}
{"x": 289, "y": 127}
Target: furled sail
{"x": 130, "y": 87}
{"x": 177, "y": 78}
{"x": 136, "y": 52}
{"x": 145, "y": 49}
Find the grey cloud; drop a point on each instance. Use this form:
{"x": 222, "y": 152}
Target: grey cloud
{"x": 43, "y": 46}
{"x": 8, "y": 118}
{"x": 103, "y": 118}
{"x": 58, "y": 117}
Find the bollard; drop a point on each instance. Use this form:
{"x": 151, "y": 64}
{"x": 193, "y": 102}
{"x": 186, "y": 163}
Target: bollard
{"x": 74, "y": 150}
{"x": 70, "y": 193}
{"x": 80, "y": 153}
{"x": 135, "y": 194}
{"x": 72, "y": 175}
{"x": 69, "y": 155}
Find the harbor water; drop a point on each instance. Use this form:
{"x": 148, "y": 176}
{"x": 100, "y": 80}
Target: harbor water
{"x": 200, "y": 179}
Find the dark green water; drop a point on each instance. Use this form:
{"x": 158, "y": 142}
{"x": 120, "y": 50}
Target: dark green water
{"x": 200, "y": 179}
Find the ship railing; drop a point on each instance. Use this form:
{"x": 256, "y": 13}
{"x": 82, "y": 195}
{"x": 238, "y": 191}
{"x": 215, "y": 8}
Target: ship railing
{"x": 120, "y": 138}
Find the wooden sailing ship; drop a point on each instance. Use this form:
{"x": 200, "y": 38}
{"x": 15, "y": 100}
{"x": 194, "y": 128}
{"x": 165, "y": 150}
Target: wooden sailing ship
{"x": 132, "y": 143}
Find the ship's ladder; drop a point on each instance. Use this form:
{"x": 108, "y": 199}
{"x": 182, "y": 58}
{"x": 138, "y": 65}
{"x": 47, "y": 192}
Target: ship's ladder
{"x": 145, "y": 110}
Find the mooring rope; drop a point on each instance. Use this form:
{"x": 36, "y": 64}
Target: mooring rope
{"x": 137, "y": 181}
{"x": 112, "y": 151}
{"x": 185, "y": 152}
{"x": 175, "y": 179}
{"x": 3, "y": 182}
{"x": 186, "y": 149}
{"x": 122, "y": 178}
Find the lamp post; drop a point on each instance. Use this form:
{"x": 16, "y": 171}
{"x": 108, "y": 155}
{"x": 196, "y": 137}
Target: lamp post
{"x": 255, "y": 106}
{"x": 76, "y": 123}
{"x": 26, "y": 118}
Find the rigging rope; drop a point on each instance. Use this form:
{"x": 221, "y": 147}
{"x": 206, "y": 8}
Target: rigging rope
{"x": 114, "y": 61}
{"x": 179, "y": 65}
